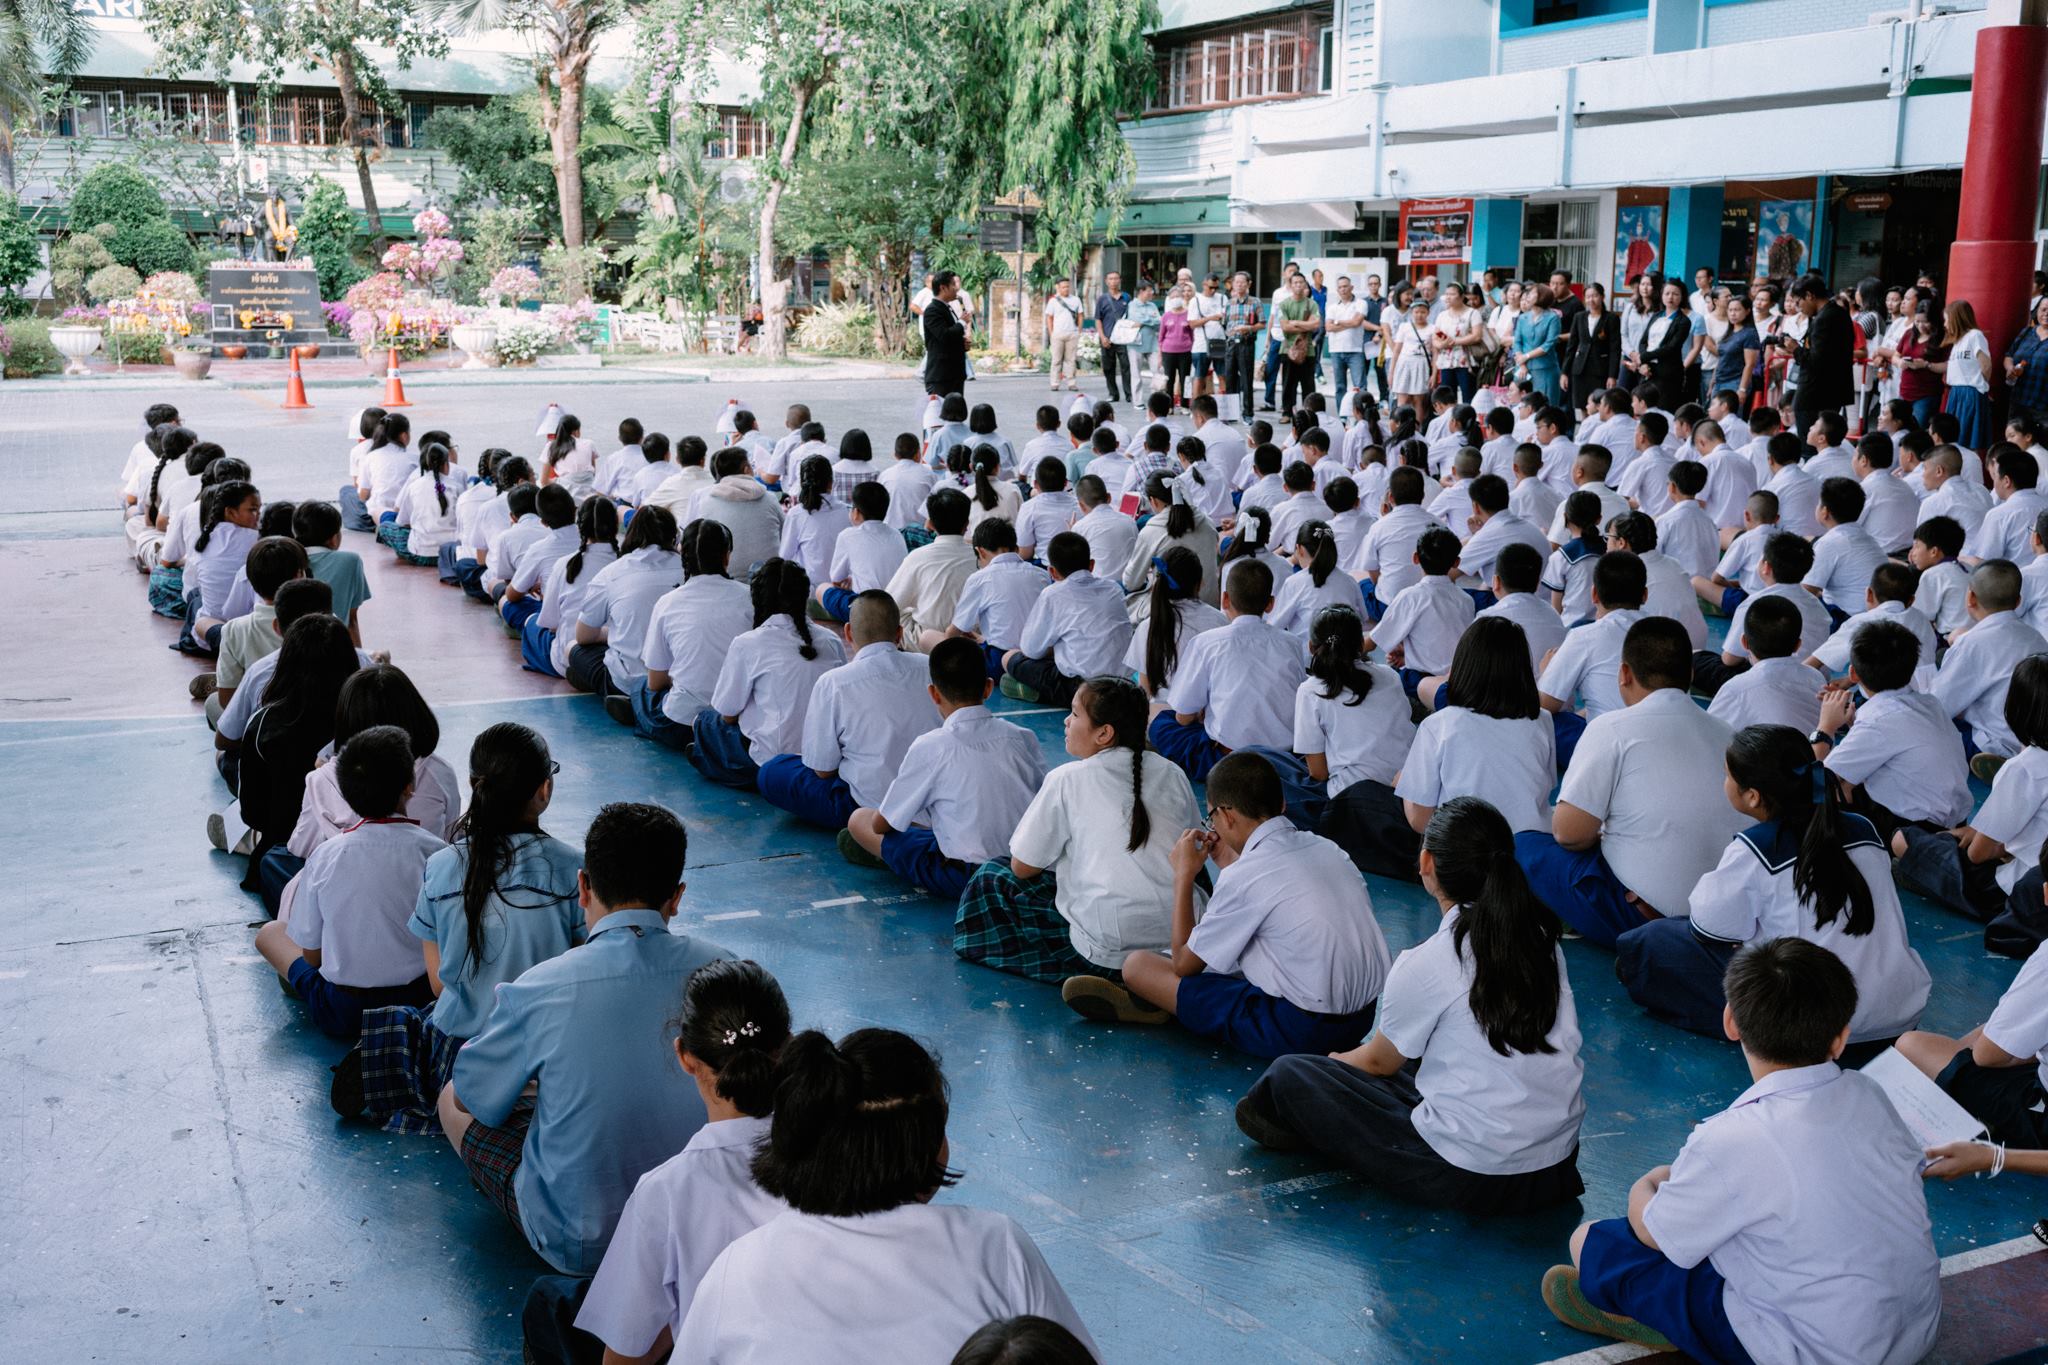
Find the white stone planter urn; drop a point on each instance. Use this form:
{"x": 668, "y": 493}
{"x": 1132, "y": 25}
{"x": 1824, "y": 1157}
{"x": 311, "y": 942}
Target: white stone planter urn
{"x": 475, "y": 340}
{"x": 75, "y": 344}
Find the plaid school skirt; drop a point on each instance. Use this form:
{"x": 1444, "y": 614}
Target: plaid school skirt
{"x": 916, "y": 536}
{"x": 406, "y": 1061}
{"x": 492, "y": 1157}
{"x": 396, "y": 536}
{"x": 1012, "y": 925}
{"x": 167, "y": 592}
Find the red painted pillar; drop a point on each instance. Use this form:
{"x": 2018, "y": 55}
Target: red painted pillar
{"x": 1991, "y": 262}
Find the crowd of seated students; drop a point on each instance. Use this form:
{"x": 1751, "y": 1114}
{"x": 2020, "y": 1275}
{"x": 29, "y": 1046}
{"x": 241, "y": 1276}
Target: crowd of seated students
{"x": 1469, "y": 654}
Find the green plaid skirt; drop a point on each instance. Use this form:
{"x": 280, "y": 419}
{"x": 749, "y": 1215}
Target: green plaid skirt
{"x": 167, "y": 592}
{"x": 1012, "y": 925}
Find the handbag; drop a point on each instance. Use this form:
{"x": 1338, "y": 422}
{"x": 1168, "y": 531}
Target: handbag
{"x": 1125, "y": 333}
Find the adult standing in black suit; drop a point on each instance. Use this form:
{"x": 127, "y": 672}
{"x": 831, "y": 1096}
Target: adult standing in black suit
{"x": 1826, "y": 356}
{"x": 1592, "y": 359}
{"x": 945, "y": 338}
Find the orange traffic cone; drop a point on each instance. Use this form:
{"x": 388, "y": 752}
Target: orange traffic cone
{"x": 295, "y": 385}
{"x": 394, "y": 391}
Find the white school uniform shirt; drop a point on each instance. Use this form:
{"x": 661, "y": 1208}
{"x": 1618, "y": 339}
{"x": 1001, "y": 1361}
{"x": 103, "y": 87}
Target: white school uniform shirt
{"x": 1372, "y": 486}
{"x": 1289, "y": 515}
{"x": 2016, "y": 813}
{"x": 1196, "y": 618}
{"x": 1830, "y": 462}
{"x": 1815, "y": 625}
{"x": 909, "y": 1284}
{"x": 1481, "y": 1111}
{"x": 1806, "y": 1196}
{"x": 1043, "y": 516}
{"x": 996, "y": 599}
{"x": 2007, "y": 531}
{"x": 927, "y": 585}
{"x": 182, "y": 530}
{"x": 1687, "y": 533}
{"x": 1211, "y": 495}
{"x": 1976, "y": 672}
{"x": 1588, "y": 664}
{"x": 621, "y": 600}
{"x": 575, "y": 471}
{"x": 1497, "y": 456}
{"x": 1798, "y": 500}
{"x": 470, "y": 509}
{"x": 556, "y": 544}
{"x": 1427, "y": 620}
{"x": 863, "y": 717}
{"x": 419, "y": 510}
{"x": 615, "y": 467}
{"x": 1612, "y": 505}
{"x": 1834, "y": 652}
{"x": 1113, "y": 469}
{"x": 1670, "y": 594}
{"x": 1534, "y": 501}
{"x": 1652, "y": 774}
{"x": 355, "y": 894}
{"x": 1292, "y": 916}
{"x": 2033, "y": 607}
{"x": 1541, "y": 625}
{"x": 1843, "y": 561}
{"x": 909, "y": 483}
{"x": 1569, "y": 571}
{"x": 676, "y": 492}
{"x": 766, "y": 682}
{"x": 1388, "y": 550}
{"x": 562, "y": 601}
{"x": 867, "y": 555}
{"x": 1961, "y": 501}
{"x": 1298, "y": 599}
{"x": 1267, "y": 491}
{"x": 679, "y": 1218}
{"x": 1223, "y": 448}
{"x": 1943, "y": 596}
{"x": 2019, "y": 1022}
{"x": 808, "y": 537}
{"x": 1497, "y": 532}
{"x": 1452, "y": 506}
{"x": 636, "y": 488}
{"x": 1080, "y": 621}
{"x": 1115, "y": 900}
{"x": 506, "y": 545}
{"x": 1242, "y": 680}
{"x": 1510, "y": 762}
{"x": 969, "y": 781}
{"x": 1730, "y": 481}
{"x": 386, "y": 470}
{"x": 1771, "y": 692}
{"x": 212, "y": 570}
{"x": 1739, "y": 563}
{"x": 1110, "y": 535}
{"x": 1890, "y": 511}
{"x": 1556, "y": 470}
{"x": 689, "y": 633}
{"x": 1045, "y": 445}
{"x": 1362, "y": 739}
{"x": 1008, "y": 501}
{"x": 324, "y": 813}
{"x": 1350, "y": 528}
{"x": 1905, "y": 751}
{"x": 1647, "y": 481}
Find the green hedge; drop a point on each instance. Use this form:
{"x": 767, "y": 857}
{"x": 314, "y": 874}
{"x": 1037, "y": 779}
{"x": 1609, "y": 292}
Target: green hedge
{"x": 29, "y": 350}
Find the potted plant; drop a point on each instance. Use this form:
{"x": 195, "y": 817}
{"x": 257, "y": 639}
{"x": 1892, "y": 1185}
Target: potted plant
{"x": 75, "y": 341}
{"x": 475, "y": 335}
{"x": 522, "y": 339}
{"x": 192, "y": 357}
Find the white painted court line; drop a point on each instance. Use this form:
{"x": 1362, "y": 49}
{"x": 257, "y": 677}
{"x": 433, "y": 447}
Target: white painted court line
{"x": 94, "y": 736}
{"x": 241, "y": 960}
{"x": 732, "y": 914}
{"x": 838, "y": 900}
{"x": 1602, "y": 1355}
{"x": 12, "y": 976}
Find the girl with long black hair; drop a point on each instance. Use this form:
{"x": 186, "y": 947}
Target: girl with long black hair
{"x": 161, "y": 487}
{"x": 1175, "y": 522}
{"x": 227, "y": 532}
{"x": 388, "y": 467}
{"x": 1175, "y": 613}
{"x": 1467, "y": 1095}
{"x": 1088, "y": 879}
{"x": 763, "y": 693}
{"x": 544, "y": 639}
{"x": 570, "y": 459}
{"x": 812, "y": 525}
{"x": 498, "y": 900}
{"x": 287, "y": 733}
{"x": 611, "y": 630}
{"x": 1807, "y": 869}
{"x": 426, "y": 509}
{"x": 1316, "y": 582}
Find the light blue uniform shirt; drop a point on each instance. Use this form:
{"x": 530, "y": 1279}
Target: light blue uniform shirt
{"x": 591, "y": 1027}
{"x": 532, "y": 915}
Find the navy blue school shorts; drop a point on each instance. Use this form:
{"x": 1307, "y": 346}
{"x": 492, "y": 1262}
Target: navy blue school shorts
{"x": 2005, "y": 1099}
{"x": 1618, "y": 1274}
{"x": 1232, "y": 1010}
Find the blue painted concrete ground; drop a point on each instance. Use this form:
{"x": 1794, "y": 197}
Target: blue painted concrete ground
{"x": 174, "y": 1188}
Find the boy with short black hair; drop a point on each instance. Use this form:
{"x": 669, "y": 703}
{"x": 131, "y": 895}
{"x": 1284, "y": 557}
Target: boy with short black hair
{"x": 1234, "y": 687}
{"x": 1844, "y": 556}
{"x": 1786, "y": 560}
{"x": 1646, "y": 479}
{"x": 1793, "y": 1225}
{"x": 1077, "y": 629}
{"x": 1735, "y": 576}
{"x": 1422, "y": 626}
{"x": 1897, "y": 756}
{"x": 1943, "y": 593}
{"x": 866, "y": 555}
{"x": 317, "y": 527}
{"x": 528, "y": 564}
{"x": 997, "y": 598}
{"x": 1776, "y": 689}
{"x": 1888, "y": 598}
{"x": 1517, "y": 576}
{"x": 1684, "y": 529}
{"x": 1974, "y": 676}
{"x": 1529, "y": 497}
{"x": 616, "y": 468}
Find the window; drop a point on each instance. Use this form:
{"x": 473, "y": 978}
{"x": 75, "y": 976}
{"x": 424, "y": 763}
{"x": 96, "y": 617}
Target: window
{"x": 1559, "y": 236}
{"x": 1155, "y": 256}
{"x": 736, "y": 136}
{"x": 1279, "y": 57}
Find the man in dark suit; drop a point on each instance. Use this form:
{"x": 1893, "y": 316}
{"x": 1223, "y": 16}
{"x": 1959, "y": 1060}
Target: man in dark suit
{"x": 1110, "y": 307}
{"x": 1826, "y": 357}
{"x": 945, "y": 338}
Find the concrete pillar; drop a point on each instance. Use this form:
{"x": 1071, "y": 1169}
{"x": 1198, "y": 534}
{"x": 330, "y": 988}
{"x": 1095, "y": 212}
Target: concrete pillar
{"x": 1676, "y": 25}
{"x": 1692, "y": 231}
{"x": 1496, "y": 234}
{"x": 1991, "y": 261}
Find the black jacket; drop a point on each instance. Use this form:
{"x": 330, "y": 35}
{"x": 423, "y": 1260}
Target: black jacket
{"x": 1827, "y": 359}
{"x": 1593, "y": 354}
{"x": 1667, "y": 361}
{"x": 945, "y": 349}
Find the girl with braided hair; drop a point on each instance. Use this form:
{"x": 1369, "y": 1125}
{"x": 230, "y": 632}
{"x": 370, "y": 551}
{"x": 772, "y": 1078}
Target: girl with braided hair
{"x": 763, "y": 693}
{"x": 1088, "y": 880}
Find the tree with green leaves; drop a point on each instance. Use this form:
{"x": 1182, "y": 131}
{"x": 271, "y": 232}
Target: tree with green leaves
{"x": 279, "y": 36}
{"x": 879, "y": 206}
{"x": 19, "y": 257}
{"x": 41, "y": 43}
{"x": 327, "y": 237}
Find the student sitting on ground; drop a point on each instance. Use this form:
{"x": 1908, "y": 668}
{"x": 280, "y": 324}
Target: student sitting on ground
{"x": 1077, "y": 629}
{"x": 1646, "y": 479}
{"x": 1110, "y": 532}
{"x": 1175, "y": 614}
{"x": 273, "y": 562}
{"x": 1971, "y": 683}
{"x": 689, "y": 634}
{"x": 758, "y": 705}
{"x": 1316, "y": 582}
{"x": 1234, "y": 687}
{"x": 686, "y": 1211}
{"x": 1421, "y": 627}
{"x": 1640, "y": 817}
{"x": 1487, "y": 733}
{"x": 1736, "y": 576}
{"x": 1806, "y": 869}
{"x": 860, "y": 721}
{"x": 1667, "y": 590}
{"x": 616, "y": 467}
{"x": 1303, "y": 502}
{"x": 867, "y": 554}
{"x": 1998, "y": 1070}
{"x": 1586, "y": 665}
{"x": 1786, "y": 560}
{"x": 346, "y": 948}
{"x": 1386, "y": 557}
{"x": 857, "y": 1149}
{"x": 588, "y": 1030}
{"x": 926, "y": 586}
{"x": 1172, "y": 525}
{"x": 612, "y": 628}
{"x": 908, "y": 481}
{"x": 1944, "y": 588}
{"x": 491, "y": 514}
{"x": 1049, "y": 510}
{"x": 284, "y": 738}
{"x": 1468, "y": 1095}
{"x": 1088, "y": 879}
{"x": 1517, "y": 578}
{"x": 545, "y": 639}
{"x": 960, "y": 790}
{"x": 426, "y": 510}
{"x": 499, "y": 900}
{"x": 1287, "y": 957}
{"x": 1568, "y": 577}
{"x": 1793, "y": 1225}
{"x": 522, "y": 599}
{"x": 686, "y": 478}
{"x": 1492, "y": 528}
{"x": 1684, "y": 529}
{"x": 1777, "y": 689}
{"x": 736, "y": 499}
{"x": 1888, "y": 598}
{"x": 1897, "y": 755}
{"x": 1844, "y": 556}
{"x": 654, "y": 471}
{"x": 997, "y": 598}
{"x": 227, "y": 532}
{"x": 1985, "y": 865}
{"x": 387, "y": 468}
{"x": 501, "y": 552}
{"x": 813, "y": 523}
{"x": 296, "y": 599}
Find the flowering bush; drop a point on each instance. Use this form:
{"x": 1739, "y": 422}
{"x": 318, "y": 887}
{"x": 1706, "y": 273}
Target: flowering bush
{"x": 514, "y": 284}
{"x": 578, "y": 321}
{"x": 175, "y": 285}
{"x": 431, "y": 223}
{"x": 338, "y": 315}
{"x": 416, "y": 325}
{"x": 522, "y": 337}
{"x": 84, "y": 315}
{"x": 382, "y": 290}
{"x": 433, "y": 257}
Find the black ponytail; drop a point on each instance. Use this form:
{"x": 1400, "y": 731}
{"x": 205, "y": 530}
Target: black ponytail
{"x": 597, "y": 523}
{"x": 987, "y": 465}
{"x": 1515, "y": 993}
{"x": 1180, "y": 516}
{"x": 782, "y": 588}
{"x": 434, "y": 461}
{"x": 1321, "y": 543}
{"x": 564, "y": 440}
{"x": 170, "y": 442}
{"x": 1179, "y": 580}
{"x": 1776, "y": 762}
{"x": 1254, "y": 533}
{"x": 216, "y": 502}
{"x": 1119, "y": 703}
{"x": 508, "y": 764}
{"x": 706, "y": 548}
{"x": 392, "y": 429}
{"x": 1336, "y": 654}
{"x": 735, "y": 1020}
{"x": 814, "y": 481}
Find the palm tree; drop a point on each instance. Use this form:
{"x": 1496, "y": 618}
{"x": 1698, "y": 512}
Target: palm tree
{"x": 39, "y": 39}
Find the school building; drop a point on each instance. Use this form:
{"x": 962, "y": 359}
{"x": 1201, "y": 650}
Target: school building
{"x": 1753, "y": 136}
